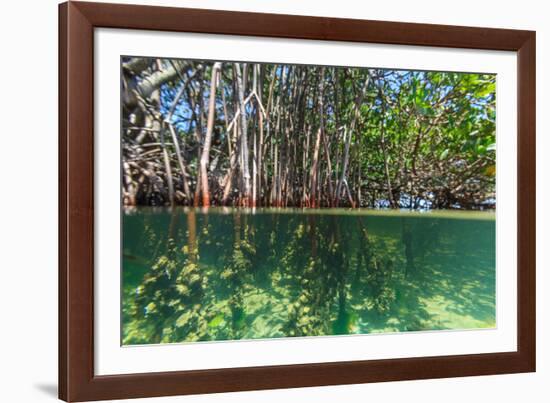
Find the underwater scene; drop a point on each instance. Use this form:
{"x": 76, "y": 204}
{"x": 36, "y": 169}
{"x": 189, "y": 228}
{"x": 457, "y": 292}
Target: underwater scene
{"x": 196, "y": 274}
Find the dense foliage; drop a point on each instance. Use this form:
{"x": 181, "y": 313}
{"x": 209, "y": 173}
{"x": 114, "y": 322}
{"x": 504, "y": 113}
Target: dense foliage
{"x": 225, "y": 133}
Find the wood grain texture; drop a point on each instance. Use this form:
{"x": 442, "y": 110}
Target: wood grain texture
{"x": 77, "y": 21}
{"x": 62, "y": 206}
{"x": 76, "y": 214}
{"x": 300, "y": 27}
{"x": 526, "y": 219}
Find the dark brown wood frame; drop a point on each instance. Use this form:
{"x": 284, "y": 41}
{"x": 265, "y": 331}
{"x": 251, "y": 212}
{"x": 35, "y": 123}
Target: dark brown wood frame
{"x": 77, "y": 21}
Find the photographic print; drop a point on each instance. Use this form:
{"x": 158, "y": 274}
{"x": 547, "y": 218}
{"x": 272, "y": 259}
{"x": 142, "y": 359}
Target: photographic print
{"x": 276, "y": 200}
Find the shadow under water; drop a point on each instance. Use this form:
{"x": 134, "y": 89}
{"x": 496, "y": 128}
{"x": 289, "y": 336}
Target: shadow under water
{"x": 227, "y": 274}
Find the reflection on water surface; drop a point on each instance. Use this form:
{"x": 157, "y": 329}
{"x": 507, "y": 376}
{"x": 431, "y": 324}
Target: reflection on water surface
{"x": 228, "y": 274}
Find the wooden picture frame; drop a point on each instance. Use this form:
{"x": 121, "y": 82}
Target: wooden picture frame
{"x": 77, "y": 21}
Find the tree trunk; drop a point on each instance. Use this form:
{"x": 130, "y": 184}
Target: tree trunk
{"x": 315, "y": 164}
{"x": 244, "y": 139}
{"x": 208, "y": 137}
{"x": 349, "y": 134}
{"x": 181, "y": 163}
{"x": 261, "y": 140}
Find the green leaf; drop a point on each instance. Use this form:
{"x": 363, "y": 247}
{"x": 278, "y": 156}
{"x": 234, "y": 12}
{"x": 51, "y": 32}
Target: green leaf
{"x": 183, "y": 319}
{"x": 218, "y": 319}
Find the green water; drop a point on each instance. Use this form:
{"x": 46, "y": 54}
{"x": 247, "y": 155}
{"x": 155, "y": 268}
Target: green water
{"x": 226, "y": 274}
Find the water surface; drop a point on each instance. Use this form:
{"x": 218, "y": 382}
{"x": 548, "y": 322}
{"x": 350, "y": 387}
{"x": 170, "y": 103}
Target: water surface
{"x": 227, "y": 274}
